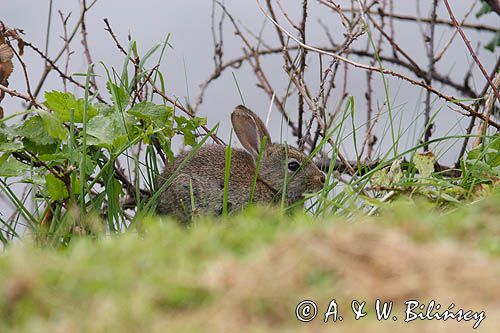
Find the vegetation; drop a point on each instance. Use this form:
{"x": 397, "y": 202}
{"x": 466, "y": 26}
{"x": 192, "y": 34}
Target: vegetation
{"x": 71, "y": 151}
{"x": 248, "y": 272}
{"x": 84, "y": 251}
{"x": 67, "y": 160}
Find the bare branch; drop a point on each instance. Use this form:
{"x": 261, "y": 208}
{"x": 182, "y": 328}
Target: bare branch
{"x": 470, "y": 111}
{"x": 471, "y": 50}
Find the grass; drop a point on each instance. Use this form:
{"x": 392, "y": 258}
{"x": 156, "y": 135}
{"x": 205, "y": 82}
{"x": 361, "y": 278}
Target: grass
{"x": 83, "y": 252}
{"x": 72, "y": 156}
{"x": 248, "y": 272}
{"x": 83, "y": 262}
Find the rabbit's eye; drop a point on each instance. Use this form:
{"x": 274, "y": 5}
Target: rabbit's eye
{"x": 293, "y": 166}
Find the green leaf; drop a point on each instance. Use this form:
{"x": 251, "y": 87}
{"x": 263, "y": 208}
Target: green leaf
{"x": 35, "y": 136}
{"x": 62, "y": 104}
{"x": 104, "y": 109}
{"x": 160, "y": 115}
{"x": 495, "y": 143}
{"x": 395, "y": 173}
{"x": 189, "y": 138}
{"x": 34, "y": 129}
{"x": 89, "y": 166}
{"x": 10, "y": 167}
{"x": 106, "y": 131}
{"x": 424, "y": 163}
{"x": 39, "y": 149}
{"x": 74, "y": 157}
{"x": 53, "y": 126}
{"x": 494, "y": 42}
{"x": 492, "y": 157}
{"x": 474, "y": 154}
{"x": 120, "y": 96}
{"x": 200, "y": 121}
{"x": 103, "y": 129}
{"x": 485, "y": 9}
{"x": 388, "y": 176}
{"x": 56, "y": 188}
{"x": 56, "y": 157}
{"x": 488, "y": 153}
{"x": 188, "y": 126}
{"x": 479, "y": 169}
{"x": 9, "y": 144}
{"x": 380, "y": 178}
{"x": 9, "y": 147}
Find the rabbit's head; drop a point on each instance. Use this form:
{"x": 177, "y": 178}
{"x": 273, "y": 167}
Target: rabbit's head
{"x": 302, "y": 175}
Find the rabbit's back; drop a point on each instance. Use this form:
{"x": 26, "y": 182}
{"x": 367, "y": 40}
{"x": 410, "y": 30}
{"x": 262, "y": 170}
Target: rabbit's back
{"x": 202, "y": 177}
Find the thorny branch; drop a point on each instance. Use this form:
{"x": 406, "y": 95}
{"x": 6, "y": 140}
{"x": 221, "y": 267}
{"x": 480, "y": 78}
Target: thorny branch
{"x": 470, "y": 111}
{"x": 341, "y": 53}
{"x": 471, "y": 50}
{"x": 155, "y": 88}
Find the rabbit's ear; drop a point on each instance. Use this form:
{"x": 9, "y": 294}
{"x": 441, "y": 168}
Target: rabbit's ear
{"x": 249, "y": 129}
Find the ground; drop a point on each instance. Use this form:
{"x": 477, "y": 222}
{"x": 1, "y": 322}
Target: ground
{"x": 247, "y": 273}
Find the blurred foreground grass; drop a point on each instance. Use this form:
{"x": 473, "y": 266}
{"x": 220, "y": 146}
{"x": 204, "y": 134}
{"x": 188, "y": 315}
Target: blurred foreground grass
{"x": 247, "y": 273}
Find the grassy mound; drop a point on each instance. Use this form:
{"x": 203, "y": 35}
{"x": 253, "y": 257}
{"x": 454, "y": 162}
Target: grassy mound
{"x": 248, "y": 273}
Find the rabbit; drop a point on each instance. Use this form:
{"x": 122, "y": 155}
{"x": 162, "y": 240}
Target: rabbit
{"x": 203, "y": 175}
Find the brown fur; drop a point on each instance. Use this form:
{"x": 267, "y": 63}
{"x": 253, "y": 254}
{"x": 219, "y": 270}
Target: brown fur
{"x": 205, "y": 172}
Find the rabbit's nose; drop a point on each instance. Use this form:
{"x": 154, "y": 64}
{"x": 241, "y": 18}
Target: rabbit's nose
{"x": 321, "y": 178}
